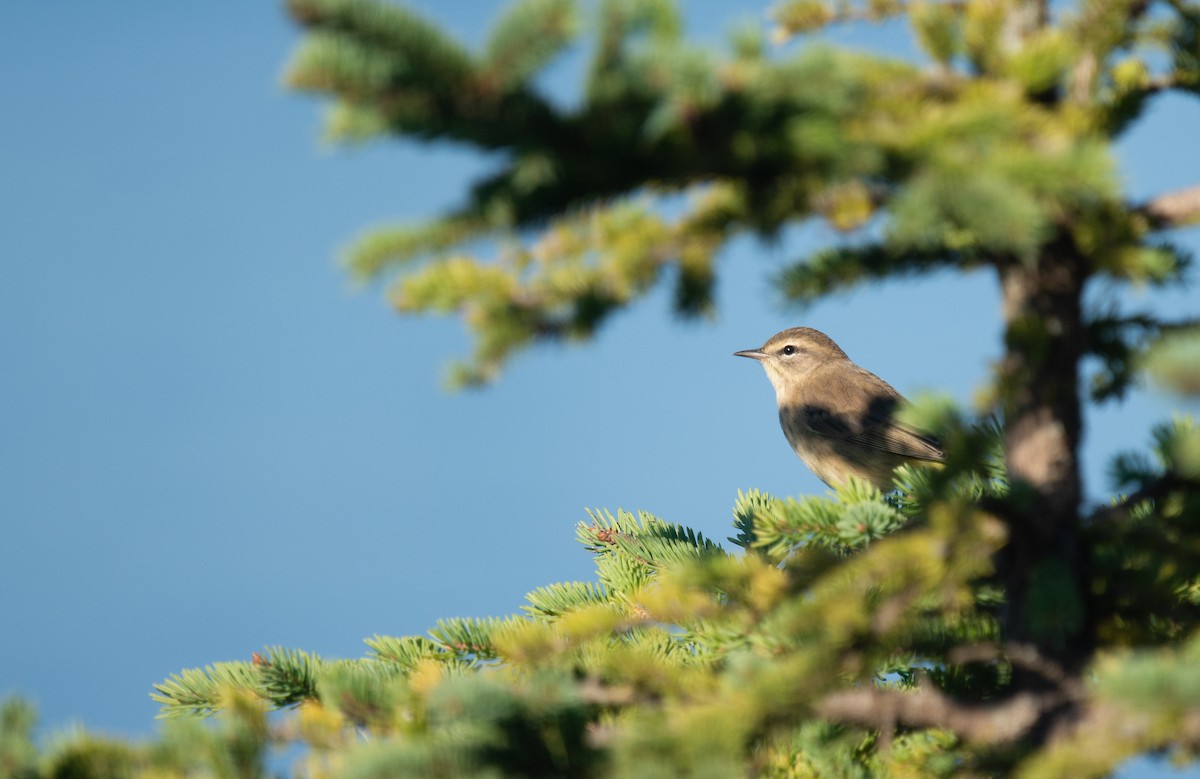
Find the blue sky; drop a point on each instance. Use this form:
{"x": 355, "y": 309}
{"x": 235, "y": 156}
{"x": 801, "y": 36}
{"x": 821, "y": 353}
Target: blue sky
{"x": 211, "y": 441}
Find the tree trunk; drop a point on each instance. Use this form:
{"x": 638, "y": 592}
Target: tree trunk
{"x": 1044, "y": 566}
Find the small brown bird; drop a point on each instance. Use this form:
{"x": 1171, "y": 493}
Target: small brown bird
{"x": 837, "y": 416}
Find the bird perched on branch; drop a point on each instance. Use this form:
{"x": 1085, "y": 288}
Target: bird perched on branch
{"x": 838, "y": 417}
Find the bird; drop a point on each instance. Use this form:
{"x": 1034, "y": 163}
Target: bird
{"x": 839, "y": 418}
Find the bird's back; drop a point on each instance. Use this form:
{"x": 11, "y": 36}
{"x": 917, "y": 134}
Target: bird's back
{"x": 868, "y": 442}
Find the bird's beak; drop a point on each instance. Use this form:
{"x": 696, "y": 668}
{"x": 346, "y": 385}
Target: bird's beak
{"x": 753, "y": 354}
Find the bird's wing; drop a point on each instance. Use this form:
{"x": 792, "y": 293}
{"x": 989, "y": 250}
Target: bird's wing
{"x": 872, "y": 424}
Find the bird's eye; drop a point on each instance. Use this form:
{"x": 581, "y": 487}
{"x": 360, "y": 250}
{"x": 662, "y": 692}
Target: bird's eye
{"x": 789, "y": 349}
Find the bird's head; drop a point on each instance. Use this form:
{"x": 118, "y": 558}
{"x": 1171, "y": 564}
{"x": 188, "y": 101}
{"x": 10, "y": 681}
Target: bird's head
{"x": 788, "y": 357}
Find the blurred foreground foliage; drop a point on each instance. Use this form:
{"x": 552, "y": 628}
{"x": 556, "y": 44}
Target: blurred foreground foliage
{"x": 818, "y": 649}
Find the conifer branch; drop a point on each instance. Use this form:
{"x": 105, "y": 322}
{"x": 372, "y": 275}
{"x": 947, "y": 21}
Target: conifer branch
{"x": 837, "y": 269}
{"x": 926, "y": 706}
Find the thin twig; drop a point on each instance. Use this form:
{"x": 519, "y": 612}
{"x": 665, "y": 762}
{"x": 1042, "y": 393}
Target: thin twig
{"x": 1173, "y": 209}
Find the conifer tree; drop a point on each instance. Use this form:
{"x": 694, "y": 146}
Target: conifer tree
{"x": 978, "y": 620}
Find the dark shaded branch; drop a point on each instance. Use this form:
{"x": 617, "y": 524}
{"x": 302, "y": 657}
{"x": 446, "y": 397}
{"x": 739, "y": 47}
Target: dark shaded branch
{"x": 1155, "y": 490}
{"x": 1024, "y": 656}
